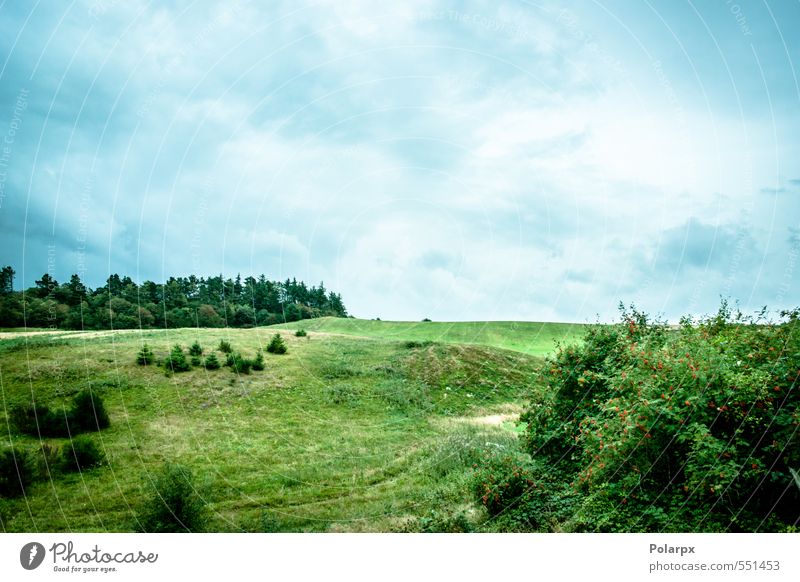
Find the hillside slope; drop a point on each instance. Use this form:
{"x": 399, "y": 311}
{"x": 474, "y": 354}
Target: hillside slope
{"x": 528, "y": 337}
{"x": 340, "y": 434}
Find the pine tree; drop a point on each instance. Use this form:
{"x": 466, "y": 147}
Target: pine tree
{"x": 212, "y": 363}
{"x": 258, "y": 363}
{"x": 145, "y": 356}
{"x": 196, "y": 349}
{"x": 277, "y": 345}
{"x": 176, "y": 361}
{"x": 7, "y": 280}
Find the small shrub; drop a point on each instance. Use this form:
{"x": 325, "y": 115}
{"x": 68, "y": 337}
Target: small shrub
{"x": 196, "y": 361}
{"x": 225, "y": 347}
{"x": 415, "y": 344}
{"x": 39, "y": 420}
{"x": 176, "y": 361}
{"x": 17, "y": 471}
{"x": 426, "y": 319}
{"x": 175, "y": 504}
{"x": 300, "y": 333}
{"x": 242, "y": 365}
{"x": 238, "y": 364}
{"x": 212, "y": 363}
{"x": 196, "y": 349}
{"x": 81, "y": 454}
{"x": 258, "y": 362}
{"x": 277, "y": 345}
{"x": 145, "y": 356}
{"x": 88, "y": 413}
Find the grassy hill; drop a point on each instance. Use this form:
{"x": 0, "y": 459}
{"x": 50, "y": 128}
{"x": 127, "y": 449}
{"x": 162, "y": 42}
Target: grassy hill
{"x": 533, "y": 338}
{"x": 343, "y": 433}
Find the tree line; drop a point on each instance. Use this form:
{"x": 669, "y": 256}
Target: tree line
{"x": 179, "y": 302}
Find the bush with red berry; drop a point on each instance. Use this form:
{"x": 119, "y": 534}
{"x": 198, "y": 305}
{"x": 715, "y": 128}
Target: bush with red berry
{"x": 648, "y": 427}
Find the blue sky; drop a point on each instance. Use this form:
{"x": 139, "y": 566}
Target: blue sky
{"x": 452, "y": 160}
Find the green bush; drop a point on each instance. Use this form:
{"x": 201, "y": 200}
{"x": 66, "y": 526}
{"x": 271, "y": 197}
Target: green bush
{"x": 238, "y": 364}
{"x": 196, "y": 349}
{"x": 212, "y": 363}
{"x": 503, "y": 482}
{"x": 17, "y": 471}
{"x": 88, "y": 413}
{"x": 225, "y": 347}
{"x": 39, "y": 420}
{"x": 145, "y": 357}
{"x": 258, "y": 362}
{"x": 174, "y": 504}
{"x": 300, "y": 333}
{"x": 519, "y": 494}
{"x": 196, "y": 361}
{"x": 277, "y": 345}
{"x": 81, "y": 454}
{"x": 691, "y": 429}
{"x": 415, "y": 344}
{"x": 176, "y": 361}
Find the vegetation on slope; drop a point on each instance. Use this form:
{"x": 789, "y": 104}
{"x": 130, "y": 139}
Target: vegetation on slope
{"x": 532, "y": 338}
{"x": 636, "y": 427}
{"x": 338, "y": 434}
{"x": 642, "y": 428}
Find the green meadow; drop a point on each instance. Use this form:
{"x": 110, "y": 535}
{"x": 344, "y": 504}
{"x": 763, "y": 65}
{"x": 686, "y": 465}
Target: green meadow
{"x": 361, "y": 426}
{"x": 528, "y": 337}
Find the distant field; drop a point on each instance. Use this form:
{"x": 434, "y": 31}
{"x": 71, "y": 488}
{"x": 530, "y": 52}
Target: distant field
{"x": 340, "y": 434}
{"x": 533, "y": 338}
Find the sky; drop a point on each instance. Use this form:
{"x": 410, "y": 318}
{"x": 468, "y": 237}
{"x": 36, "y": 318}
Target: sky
{"x": 453, "y": 160}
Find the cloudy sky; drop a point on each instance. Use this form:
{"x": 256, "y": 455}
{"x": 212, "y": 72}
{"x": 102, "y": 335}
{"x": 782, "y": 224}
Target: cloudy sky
{"x": 452, "y": 160}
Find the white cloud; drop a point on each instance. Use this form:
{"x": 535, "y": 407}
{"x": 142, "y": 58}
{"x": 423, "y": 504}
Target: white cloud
{"x": 471, "y": 162}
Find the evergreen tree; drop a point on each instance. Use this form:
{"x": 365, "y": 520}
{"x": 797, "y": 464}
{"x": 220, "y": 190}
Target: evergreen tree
{"x": 176, "y": 361}
{"x": 212, "y": 363}
{"x": 277, "y": 345}
{"x": 145, "y": 356}
{"x": 258, "y": 362}
{"x": 180, "y": 302}
{"x": 196, "y": 349}
{"x": 7, "y": 280}
{"x": 44, "y": 286}
{"x": 77, "y": 290}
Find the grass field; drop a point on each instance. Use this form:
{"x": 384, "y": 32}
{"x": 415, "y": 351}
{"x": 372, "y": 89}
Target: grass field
{"x": 528, "y": 337}
{"x": 351, "y": 432}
